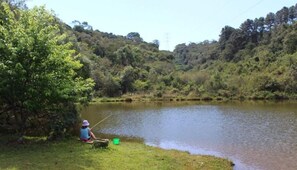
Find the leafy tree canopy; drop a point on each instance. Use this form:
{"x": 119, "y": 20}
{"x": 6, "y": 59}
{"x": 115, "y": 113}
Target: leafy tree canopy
{"x": 38, "y": 79}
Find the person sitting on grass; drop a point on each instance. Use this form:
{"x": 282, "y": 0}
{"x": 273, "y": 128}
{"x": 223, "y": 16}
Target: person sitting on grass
{"x": 86, "y": 134}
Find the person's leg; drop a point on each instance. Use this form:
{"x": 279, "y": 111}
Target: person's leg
{"x": 92, "y": 135}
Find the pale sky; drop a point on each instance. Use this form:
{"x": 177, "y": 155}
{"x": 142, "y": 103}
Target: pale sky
{"x": 172, "y": 22}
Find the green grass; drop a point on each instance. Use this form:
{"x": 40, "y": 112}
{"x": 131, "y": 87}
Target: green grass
{"x": 73, "y": 154}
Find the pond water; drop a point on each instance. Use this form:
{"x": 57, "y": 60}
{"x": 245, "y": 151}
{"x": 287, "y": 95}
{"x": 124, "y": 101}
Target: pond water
{"x": 254, "y": 135}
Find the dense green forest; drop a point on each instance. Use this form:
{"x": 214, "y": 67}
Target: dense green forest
{"x": 46, "y": 66}
{"x": 255, "y": 61}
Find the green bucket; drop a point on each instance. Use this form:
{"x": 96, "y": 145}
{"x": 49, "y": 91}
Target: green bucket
{"x": 116, "y": 141}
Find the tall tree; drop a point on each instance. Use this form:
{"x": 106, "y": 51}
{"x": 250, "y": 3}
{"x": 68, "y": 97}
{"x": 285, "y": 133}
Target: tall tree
{"x": 260, "y": 27}
{"x": 128, "y": 76}
{"x": 225, "y": 35}
{"x": 156, "y": 43}
{"x": 270, "y": 21}
{"x": 38, "y": 80}
{"x": 285, "y": 15}
{"x": 282, "y": 16}
{"x": 292, "y": 14}
{"x": 125, "y": 56}
{"x": 249, "y": 28}
{"x": 134, "y": 36}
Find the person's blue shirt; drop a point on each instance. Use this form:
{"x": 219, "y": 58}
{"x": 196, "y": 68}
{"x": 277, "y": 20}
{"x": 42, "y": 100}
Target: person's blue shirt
{"x": 84, "y": 133}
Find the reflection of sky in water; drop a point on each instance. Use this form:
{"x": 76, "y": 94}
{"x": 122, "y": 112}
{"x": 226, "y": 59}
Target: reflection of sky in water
{"x": 250, "y": 135}
{"x": 197, "y": 150}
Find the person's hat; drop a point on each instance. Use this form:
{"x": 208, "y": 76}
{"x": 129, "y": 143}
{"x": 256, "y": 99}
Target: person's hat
{"x": 85, "y": 123}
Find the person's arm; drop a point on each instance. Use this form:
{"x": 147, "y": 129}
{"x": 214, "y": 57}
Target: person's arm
{"x": 92, "y": 134}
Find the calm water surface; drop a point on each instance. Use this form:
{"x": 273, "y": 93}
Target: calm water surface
{"x": 254, "y": 135}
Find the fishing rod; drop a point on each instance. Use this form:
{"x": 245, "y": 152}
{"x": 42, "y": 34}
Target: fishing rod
{"x": 101, "y": 121}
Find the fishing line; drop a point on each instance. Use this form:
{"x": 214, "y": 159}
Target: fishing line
{"x": 101, "y": 121}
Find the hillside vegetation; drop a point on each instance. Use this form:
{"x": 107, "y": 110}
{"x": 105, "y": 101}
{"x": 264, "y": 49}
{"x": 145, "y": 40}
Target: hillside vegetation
{"x": 258, "y": 60}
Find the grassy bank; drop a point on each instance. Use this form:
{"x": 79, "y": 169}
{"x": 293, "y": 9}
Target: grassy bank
{"x": 138, "y": 98}
{"x": 148, "y": 98}
{"x": 73, "y": 154}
